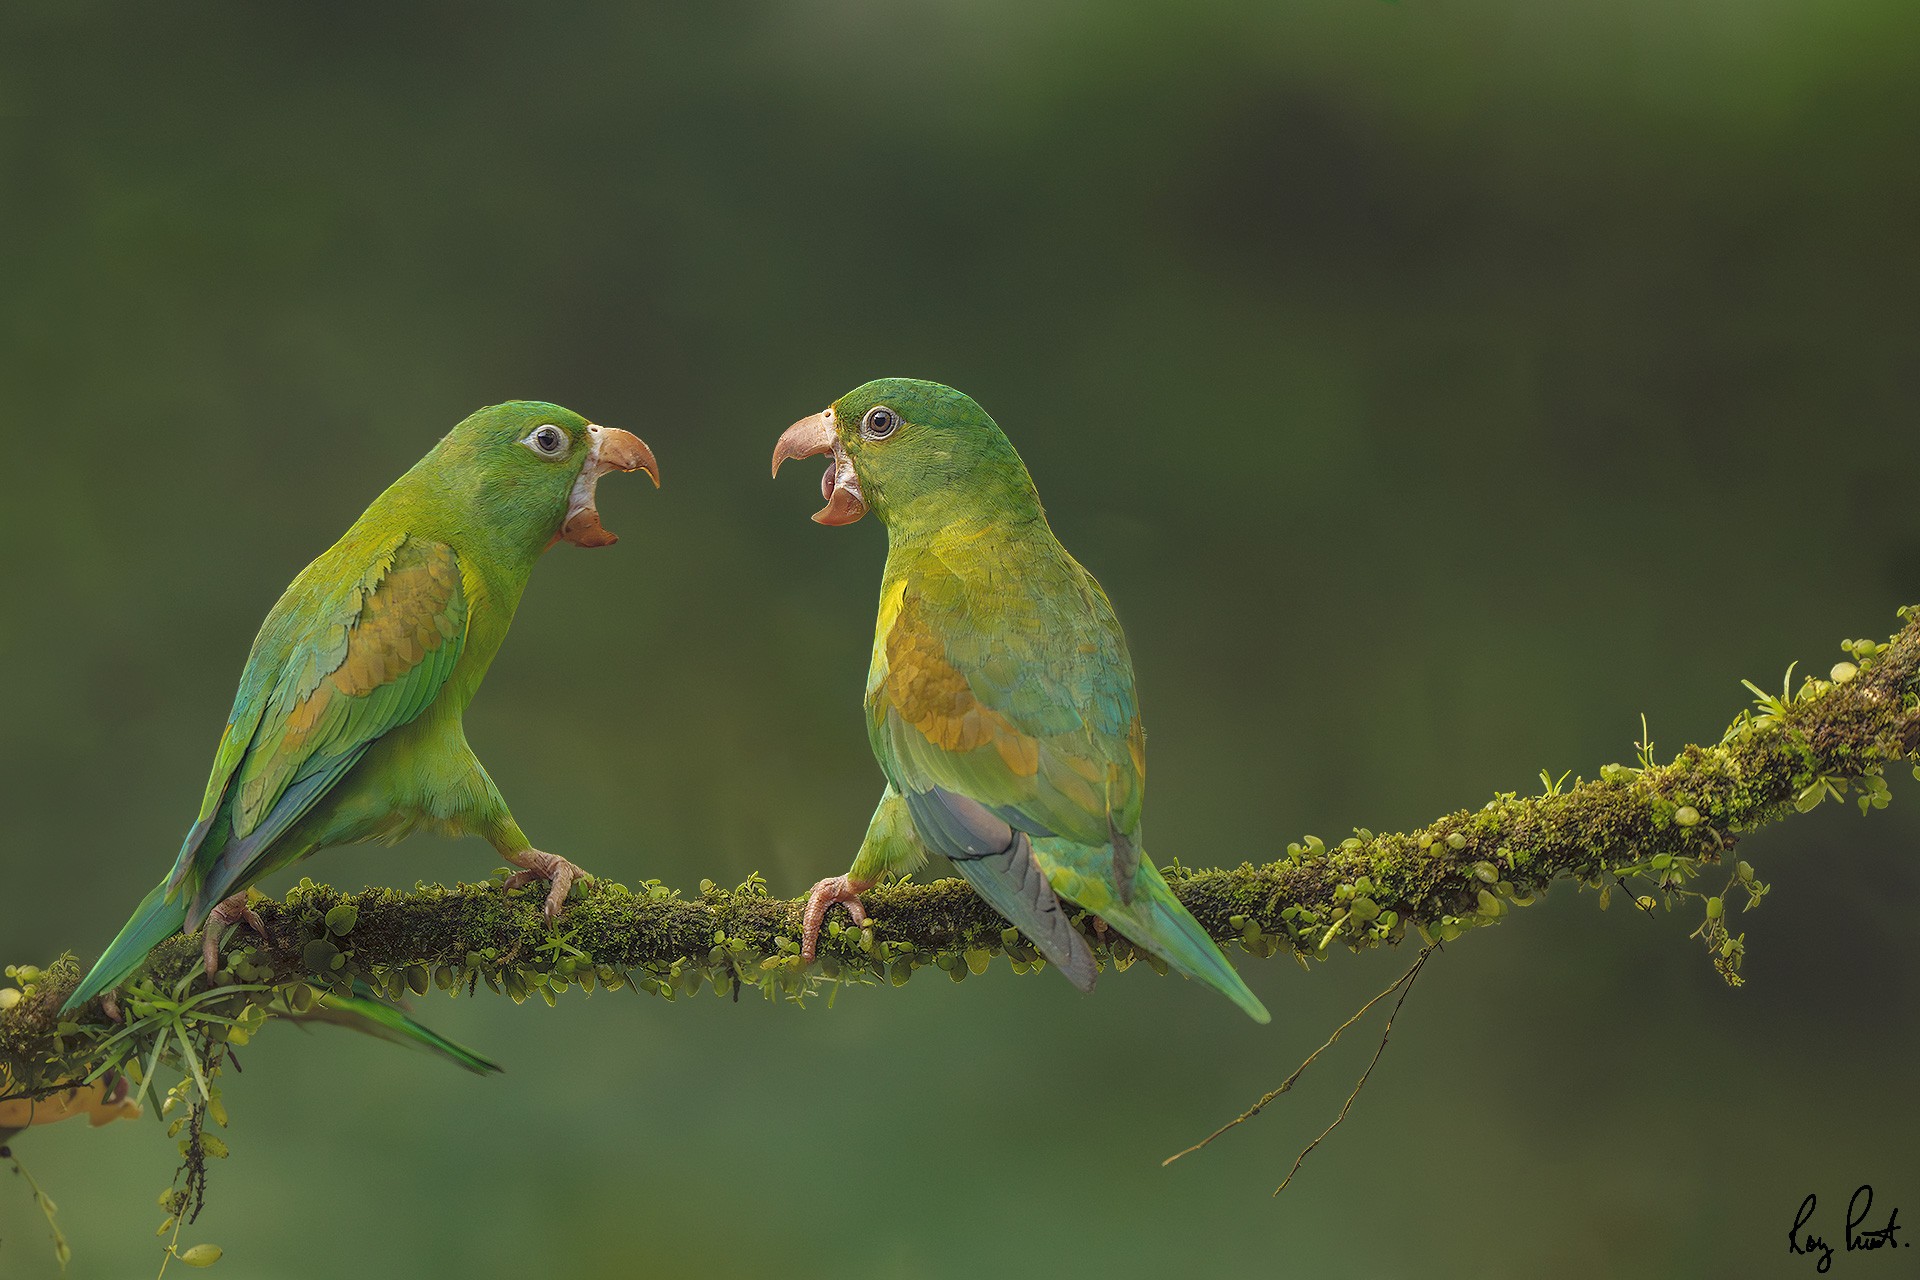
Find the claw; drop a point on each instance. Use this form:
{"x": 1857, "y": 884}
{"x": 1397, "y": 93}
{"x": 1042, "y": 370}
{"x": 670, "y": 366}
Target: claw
{"x": 551, "y": 867}
{"x": 232, "y": 910}
{"x": 842, "y": 889}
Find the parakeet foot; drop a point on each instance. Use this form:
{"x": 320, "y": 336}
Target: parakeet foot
{"x": 842, "y": 889}
{"x": 233, "y": 910}
{"x": 551, "y": 867}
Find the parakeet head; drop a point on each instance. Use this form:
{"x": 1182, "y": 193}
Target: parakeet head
{"x": 530, "y": 469}
{"x": 918, "y": 453}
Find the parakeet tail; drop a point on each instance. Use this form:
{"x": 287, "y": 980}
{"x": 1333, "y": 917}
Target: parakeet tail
{"x": 154, "y": 921}
{"x": 1156, "y": 920}
{"x": 367, "y": 1012}
{"x": 1016, "y": 886}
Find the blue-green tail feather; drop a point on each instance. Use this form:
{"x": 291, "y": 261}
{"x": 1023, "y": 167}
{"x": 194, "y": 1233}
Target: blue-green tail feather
{"x": 154, "y": 921}
{"x": 1156, "y": 920}
{"x": 367, "y": 1012}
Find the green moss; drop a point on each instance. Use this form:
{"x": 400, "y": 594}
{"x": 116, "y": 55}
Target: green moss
{"x": 1661, "y": 826}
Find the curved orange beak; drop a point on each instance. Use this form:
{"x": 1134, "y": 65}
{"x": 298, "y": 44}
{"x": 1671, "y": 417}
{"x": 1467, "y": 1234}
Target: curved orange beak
{"x": 609, "y": 449}
{"x": 839, "y": 486}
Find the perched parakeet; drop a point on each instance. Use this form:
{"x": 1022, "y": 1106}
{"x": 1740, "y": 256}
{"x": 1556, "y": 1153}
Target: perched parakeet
{"x": 1000, "y": 702}
{"x": 347, "y": 726}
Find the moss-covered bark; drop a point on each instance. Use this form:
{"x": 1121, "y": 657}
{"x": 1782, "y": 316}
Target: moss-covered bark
{"x": 1658, "y": 825}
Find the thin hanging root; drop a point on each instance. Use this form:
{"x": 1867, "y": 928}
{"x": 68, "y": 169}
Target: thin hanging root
{"x": 1402, "y": 984}
{"x": 1348, "y": 1104}
{"x": 62, "y": 1252}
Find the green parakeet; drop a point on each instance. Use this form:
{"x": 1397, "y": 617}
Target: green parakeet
{"x": 347, "y": 726}
{"x": 1000, "y": 700}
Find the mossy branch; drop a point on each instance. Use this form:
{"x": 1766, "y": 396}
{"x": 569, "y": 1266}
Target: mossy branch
{"x": 1659, "y": 824}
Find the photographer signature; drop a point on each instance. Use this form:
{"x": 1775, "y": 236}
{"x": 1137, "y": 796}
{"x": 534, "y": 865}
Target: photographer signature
{"x": 1801, "y": 1241}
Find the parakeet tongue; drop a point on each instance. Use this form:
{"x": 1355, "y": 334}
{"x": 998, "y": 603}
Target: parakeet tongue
{"x": 841, "y": 488}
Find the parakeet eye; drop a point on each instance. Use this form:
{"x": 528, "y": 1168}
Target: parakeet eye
{"x": 547, "y": 440}
{"x": 879, "y": 423}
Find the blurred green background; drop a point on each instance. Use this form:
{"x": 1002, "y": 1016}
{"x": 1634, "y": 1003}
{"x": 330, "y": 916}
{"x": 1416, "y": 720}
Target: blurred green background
{"x": 1435, "y": 386}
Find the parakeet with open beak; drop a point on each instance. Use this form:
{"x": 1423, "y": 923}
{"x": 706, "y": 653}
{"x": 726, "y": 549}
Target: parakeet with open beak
{"x": 1000, "y": 700}
{"x": 348, "y": 724}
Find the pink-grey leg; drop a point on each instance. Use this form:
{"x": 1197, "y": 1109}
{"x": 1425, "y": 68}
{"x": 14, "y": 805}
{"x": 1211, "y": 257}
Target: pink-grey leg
{"x": 550, "y": 867}
{"x": 842, "y": 889}
{"x": 233, "y": 910}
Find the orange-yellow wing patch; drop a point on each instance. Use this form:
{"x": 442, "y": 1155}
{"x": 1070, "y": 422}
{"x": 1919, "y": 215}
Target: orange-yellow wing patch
{"x": 376, "y": 665}
{"x": 1030, "y": 664}
{"x": 404, "y": 620}
{"x": 930, "y": 694}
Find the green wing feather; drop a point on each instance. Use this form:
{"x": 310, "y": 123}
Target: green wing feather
{"x": 1012, "y": 687}
{"x": 1006, "y": 679}
{"x": 359, "y": 645}
{"x": 336, "y": 666}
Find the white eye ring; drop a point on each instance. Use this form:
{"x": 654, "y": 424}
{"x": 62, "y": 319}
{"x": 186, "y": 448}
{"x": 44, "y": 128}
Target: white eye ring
{"x": 547, "y": 440}
{"x": 879, "y": 423}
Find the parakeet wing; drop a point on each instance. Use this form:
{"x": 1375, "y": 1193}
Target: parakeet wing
{"x": 1014, "y": 688}
{"x": 341, "y": 660}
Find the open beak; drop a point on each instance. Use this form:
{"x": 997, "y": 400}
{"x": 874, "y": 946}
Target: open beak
{"x": 839, "y": 486}
{"x": 608, "y": 449}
